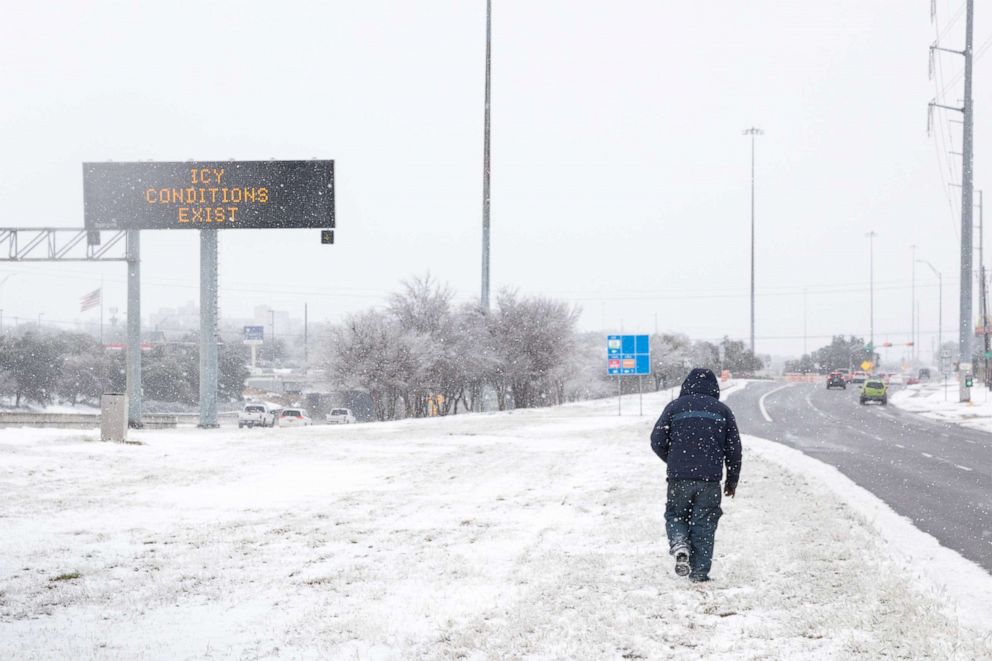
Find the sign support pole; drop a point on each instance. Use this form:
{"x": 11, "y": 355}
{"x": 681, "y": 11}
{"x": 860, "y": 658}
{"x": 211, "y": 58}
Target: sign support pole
{"x": 640, "y": 395}
{"x": 208, "y": 329}
{"x": 619, "y": 394}
{"x": 133, "y": 368}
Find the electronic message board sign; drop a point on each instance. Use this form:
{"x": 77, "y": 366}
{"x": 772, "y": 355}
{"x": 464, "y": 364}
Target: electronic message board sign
{"x": 208, "y": 195}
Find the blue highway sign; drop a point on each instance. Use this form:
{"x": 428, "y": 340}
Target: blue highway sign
{"x": 628, "y": 354}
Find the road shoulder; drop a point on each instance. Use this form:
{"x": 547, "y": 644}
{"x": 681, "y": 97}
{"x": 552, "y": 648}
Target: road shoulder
{"x": 941, "y": 573}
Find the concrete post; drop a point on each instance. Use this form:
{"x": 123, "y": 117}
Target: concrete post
{"x": 208, "y": 329}
{"x": 133, "y": 369}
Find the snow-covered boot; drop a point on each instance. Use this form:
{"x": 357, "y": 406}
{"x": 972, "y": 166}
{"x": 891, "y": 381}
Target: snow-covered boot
{"x": 681, "y": 554}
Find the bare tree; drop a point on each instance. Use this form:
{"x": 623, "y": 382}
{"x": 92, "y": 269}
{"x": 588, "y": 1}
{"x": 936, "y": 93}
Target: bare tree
{"x": 371, "y": 352}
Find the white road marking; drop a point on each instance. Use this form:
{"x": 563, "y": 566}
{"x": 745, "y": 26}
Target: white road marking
{"x": 928, "y": 456}
{"x": 761, "y": 402}
{"x": 968, "y": 440}
{"x": 900, "y": 446}
{"x": 964, "y": 468}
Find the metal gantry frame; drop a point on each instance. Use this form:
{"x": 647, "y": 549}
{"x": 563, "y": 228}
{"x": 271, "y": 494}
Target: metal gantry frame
{"x": 61, "y": 244}
{"x": 70, "y": 244}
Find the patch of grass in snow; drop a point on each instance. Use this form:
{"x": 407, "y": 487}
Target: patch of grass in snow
{"x": 70, "y": 576}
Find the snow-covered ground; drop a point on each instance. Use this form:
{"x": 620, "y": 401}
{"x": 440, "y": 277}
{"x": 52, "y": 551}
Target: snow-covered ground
{"x": 532, "y": 534}
{"x": 939, "y": 401}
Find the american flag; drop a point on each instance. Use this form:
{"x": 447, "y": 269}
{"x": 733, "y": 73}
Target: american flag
{"x": 90, "y": 300}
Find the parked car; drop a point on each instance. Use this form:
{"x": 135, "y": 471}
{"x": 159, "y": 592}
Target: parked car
{"x": 294, "y": 417}
{"x": 874, "y": 391}
{"x": 256, "y": 415}
{"x": 836, "y": 380}
{"x": 340, "y": 417}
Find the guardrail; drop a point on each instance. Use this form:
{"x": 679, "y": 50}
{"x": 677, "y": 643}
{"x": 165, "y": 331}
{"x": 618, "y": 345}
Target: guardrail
{"x": 78, "y": 420}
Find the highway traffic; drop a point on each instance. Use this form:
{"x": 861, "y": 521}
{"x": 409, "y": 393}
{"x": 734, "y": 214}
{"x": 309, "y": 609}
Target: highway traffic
{"x": 936, "y": 474}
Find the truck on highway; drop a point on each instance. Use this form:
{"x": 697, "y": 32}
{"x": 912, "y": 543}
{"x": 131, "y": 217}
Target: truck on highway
{"x": 256, "y": 414}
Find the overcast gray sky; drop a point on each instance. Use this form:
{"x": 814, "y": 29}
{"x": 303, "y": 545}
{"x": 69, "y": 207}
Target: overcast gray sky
{"x": 620, "y": 175}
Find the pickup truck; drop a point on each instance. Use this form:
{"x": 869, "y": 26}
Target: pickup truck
{"x": 256, "y": 415}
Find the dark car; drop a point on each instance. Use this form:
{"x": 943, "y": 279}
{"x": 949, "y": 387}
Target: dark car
{"x": 836, "y": 380}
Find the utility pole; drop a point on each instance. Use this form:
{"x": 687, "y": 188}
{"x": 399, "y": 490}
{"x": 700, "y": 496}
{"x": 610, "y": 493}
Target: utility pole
{"x": 871, "y": 289}
{"x": 967, "y": 201}
{"x": 753, "y": 131}
{"x": 967, "y": 183}
{"x": 912, "y": 314}
{"x": 306, "y": 339}
{"x": 485, "y": 162}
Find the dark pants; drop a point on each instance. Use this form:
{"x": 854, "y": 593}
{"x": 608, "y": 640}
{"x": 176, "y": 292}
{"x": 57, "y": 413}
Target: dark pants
{"x": 691, "y": 515}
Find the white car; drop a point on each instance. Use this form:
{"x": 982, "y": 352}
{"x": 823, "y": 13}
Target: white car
{"x": 340, "y": 417}
{"x": 294, "y": 418}
{"x": 256, "y": 415}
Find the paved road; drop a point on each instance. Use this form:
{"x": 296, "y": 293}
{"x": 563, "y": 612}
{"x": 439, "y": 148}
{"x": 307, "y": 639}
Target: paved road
{"x": 937, "y": 474}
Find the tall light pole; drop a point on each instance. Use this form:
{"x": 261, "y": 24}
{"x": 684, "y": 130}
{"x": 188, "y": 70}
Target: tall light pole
{"x": 940, "y": 305}
{"x": 753, "y": 131}
{"x": 485, "y": 161}
{"x": 912, "y": 313}
{"x": 2, "y": 282}
{"x": 871, "y": 289}
{"x": 983, "y": 304}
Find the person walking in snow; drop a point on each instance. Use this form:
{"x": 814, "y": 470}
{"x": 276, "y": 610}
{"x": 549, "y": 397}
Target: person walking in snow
{"x": 696, "y": 435}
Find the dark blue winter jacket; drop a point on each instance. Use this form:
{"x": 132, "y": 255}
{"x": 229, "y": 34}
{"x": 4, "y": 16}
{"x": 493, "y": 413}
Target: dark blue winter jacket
{"x": 697, "y": 434}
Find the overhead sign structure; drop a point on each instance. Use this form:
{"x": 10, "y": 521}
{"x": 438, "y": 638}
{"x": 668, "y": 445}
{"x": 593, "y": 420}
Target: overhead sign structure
{"x": 208, "y": 195}
{"x": 628, "y": 354}
{"x": 254, "y": 334}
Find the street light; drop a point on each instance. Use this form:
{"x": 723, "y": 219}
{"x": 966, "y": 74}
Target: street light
{"x": 940, "y": 304}
{"x": 753, "y": 131}
{"x": 9, "y": 276}
{"x": 913, "y": 353}
{"x": 871, "y": 288}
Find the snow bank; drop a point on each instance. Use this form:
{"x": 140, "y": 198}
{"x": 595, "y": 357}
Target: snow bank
{"x": 532, "y": 534}
{"x": 939, "y": 401}
{"x": 961, "y": 586}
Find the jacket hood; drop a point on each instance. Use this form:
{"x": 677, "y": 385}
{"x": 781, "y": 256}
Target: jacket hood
{"x": 700, "y": 382}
